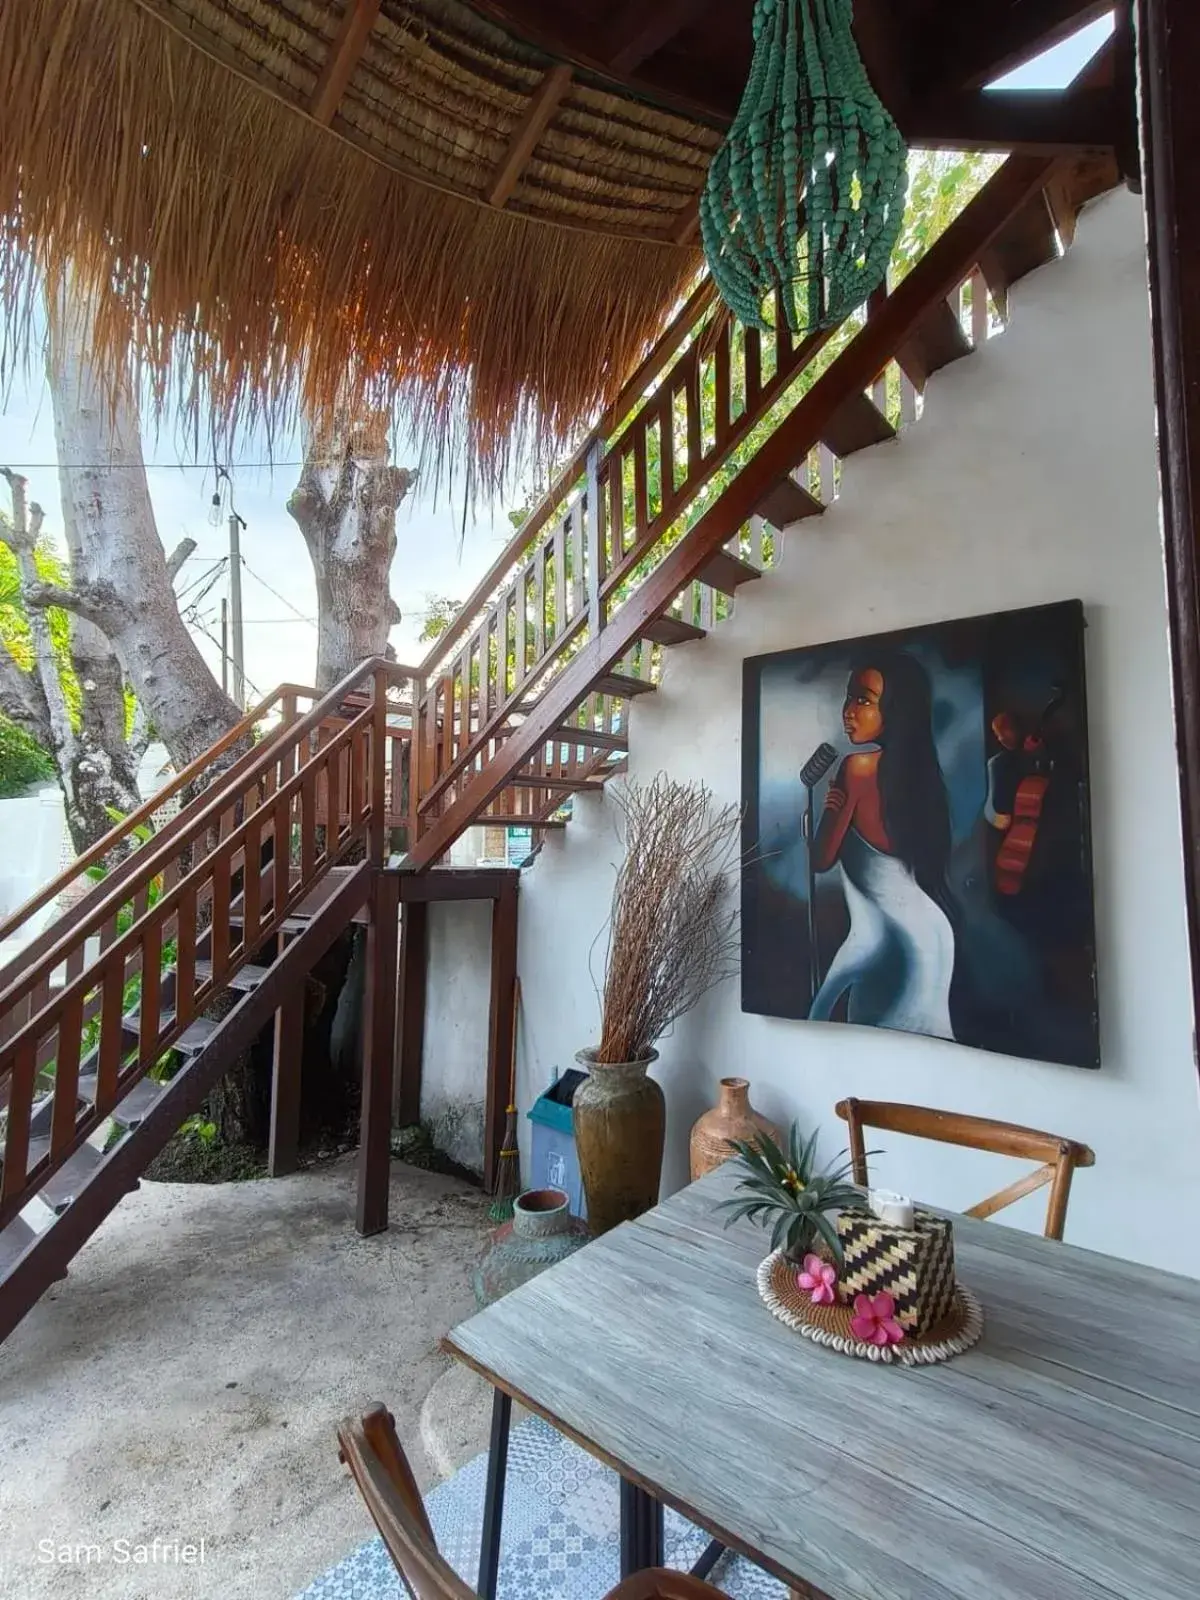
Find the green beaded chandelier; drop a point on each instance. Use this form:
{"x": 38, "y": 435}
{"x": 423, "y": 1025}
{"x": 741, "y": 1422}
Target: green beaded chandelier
{"x": 807, "y": 193}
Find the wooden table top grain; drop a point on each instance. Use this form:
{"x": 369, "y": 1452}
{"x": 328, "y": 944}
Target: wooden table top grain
{"x": 1059, "y": 1460}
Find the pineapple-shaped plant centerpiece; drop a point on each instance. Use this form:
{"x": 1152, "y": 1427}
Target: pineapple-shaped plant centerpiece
{"x": 780, "y": 1189}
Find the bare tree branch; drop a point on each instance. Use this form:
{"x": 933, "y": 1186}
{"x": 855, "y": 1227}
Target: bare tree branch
{"x": 178, "y": 556}
{"x": 93, "y": 604}
{"x": 22, "y": 701}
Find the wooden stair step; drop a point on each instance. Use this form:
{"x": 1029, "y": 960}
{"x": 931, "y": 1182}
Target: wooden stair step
{"x": 590, "y": 738}
{"x": 671, "y": 630}
{"x": 857, "y": 424}
{"x": 133, "y": 1105}
{"x": 787, "y": 502}
{"x": 622, "y": 686}
{"x": 536, "y": 780}
{"x": 65, "y": 1185}
{"x": 727, "y": 573}
{"x": 1027, "y": 242}
{"x": 13, "y": 1241}
{"x": 936, "y": 342}
{"x": 245, "y": 978}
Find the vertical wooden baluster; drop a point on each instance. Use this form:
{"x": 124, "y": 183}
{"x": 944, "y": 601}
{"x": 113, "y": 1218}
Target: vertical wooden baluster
{"x": 724, "y": 416}
{"x": 576, "y": 539}
{"x": 112, "y": 1025}
{"x": 614, "y": 476}
{"x": 378, "y": 831}
{"x": 666, "y": 446}
{"x": 22, "y": 1079}
{"x": 445, "y": 723}
{"x": 979, "y": 309}
{"x": 520, "y": 618}
{"x": 641, "y": 503}
{"x": 64, "y": 1115}
{"x": 539, "y": 603}
{"x": 753, "y": 349}
{"x": 691, "y": 395}
{"x": 219, "y": 927}
{"x": 108, "y": 932}
{"x": 141, "y": 900}
{"x": 185, "y": 956}
{"x": 252, "y": 883}
{"x": 560, "y": 578}
{"x": 308, "y": 821}
{"x": 149, "y": 1006}
{"x": 595, "y": 541}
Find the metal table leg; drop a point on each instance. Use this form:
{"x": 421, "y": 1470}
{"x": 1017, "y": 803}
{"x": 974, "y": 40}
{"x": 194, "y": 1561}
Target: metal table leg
{"x": 493, "y": 1503}
{"x": 712, "y": 1554}
{"x": 641, "y": 1530}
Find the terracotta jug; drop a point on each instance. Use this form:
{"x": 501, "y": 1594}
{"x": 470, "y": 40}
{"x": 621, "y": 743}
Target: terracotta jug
{"x": 620, "y": 1127}
{"x": 733, "y": 1117}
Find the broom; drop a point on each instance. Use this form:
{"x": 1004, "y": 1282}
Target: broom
{"x": 508, "y": 1170}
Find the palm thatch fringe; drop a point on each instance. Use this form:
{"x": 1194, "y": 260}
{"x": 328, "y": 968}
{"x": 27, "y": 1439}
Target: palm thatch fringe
{"x": 256, "y": 262}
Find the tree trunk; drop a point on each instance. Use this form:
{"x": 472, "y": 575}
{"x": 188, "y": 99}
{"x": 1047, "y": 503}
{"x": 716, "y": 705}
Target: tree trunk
{"x": 345, "y": 506}
{"x": 120, "y": 580}
{"x": 96, "y": 765}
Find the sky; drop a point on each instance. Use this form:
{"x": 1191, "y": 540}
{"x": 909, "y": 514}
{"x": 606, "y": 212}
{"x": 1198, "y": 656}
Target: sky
{"x": 434, "y": 555}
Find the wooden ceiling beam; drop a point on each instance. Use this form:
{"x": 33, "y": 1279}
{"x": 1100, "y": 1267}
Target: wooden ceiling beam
{"x": 525, "y": 136}
{"x": 1034, "y": 121}
{"x": 982, "y": 41}
{"x": 344, "y": 55}
{"x": 643, "y": 28}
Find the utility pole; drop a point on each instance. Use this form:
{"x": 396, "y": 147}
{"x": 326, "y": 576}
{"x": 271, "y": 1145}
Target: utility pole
{"x": 224, "y": 645}
{"x": 235, "y": 610}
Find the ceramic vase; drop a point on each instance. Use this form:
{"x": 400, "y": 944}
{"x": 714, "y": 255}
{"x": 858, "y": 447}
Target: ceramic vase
{"x": 733, "y": 1117}
{"x": 542, "y": 1232}
{"x": 620, "y": 1126}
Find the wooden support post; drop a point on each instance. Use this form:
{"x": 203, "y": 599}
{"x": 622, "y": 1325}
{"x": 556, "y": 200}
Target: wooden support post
{"x": 594, "y": 534}
{"x": 379, "y": 1055}
{"x": 377, "y": 827}
{"x": 501, "y": 1020}
{"x": 284, "y": 1145}
{"x": 1169, "y": 59}
{"x": 414, "y": 971}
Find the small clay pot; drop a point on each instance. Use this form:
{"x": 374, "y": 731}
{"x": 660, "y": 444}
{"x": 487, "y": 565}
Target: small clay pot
{"x": 541, "y": 1213}
{"x": 733, "y": 1117}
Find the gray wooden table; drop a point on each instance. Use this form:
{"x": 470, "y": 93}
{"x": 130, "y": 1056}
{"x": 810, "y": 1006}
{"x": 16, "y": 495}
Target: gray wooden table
{"x": 1059, "y": 1460}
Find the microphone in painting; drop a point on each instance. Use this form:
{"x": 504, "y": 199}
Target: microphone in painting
{"x": 811, "y": 773}
{"x": 817, "y": 765}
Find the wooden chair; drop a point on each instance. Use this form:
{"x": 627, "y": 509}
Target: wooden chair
{"x": 1059, "y": 1157}
{"x": 378, "y": 1465}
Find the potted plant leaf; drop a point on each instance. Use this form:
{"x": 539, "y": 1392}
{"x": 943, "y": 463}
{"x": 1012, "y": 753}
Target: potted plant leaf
{"x": 782, "y": 1190}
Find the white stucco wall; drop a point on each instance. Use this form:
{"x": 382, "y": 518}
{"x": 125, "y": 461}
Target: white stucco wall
{"x": 456, "y": 1028}
{"x": 1030, "y": 478}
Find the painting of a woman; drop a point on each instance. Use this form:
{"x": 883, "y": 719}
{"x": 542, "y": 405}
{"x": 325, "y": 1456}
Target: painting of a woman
{"x": 886, "y": 830}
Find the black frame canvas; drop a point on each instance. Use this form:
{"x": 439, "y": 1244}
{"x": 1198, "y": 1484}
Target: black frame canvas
{"x": 946, "y": 887}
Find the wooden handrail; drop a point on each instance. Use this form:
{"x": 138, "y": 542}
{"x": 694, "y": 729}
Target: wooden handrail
{"x": 681, "y": 326}
{"x": 146, "y": 810}
{"x": 213, "y": 804}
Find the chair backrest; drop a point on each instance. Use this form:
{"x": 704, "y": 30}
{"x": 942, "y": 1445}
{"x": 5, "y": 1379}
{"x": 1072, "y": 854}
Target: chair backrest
{"x": 378, "y": 1465}
{"x": 1059, "y": 1157}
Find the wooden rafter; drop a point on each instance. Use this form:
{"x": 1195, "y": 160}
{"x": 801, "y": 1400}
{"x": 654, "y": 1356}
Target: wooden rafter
{"x": 344, "y": 54}
{"x": 545, "y": 102}
{"x": 642, "y": 30}
{"x": 984, "y": 40}
{"x": 1045, "y": 122}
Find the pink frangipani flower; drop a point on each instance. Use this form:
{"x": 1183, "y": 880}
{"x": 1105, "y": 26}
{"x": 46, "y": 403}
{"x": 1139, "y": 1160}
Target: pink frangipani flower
{"x": 820, "y": 1279}
{"x": 874, "y": 1320}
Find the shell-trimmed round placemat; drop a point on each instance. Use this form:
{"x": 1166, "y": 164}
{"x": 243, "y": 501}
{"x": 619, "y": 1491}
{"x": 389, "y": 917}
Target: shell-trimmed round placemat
{"x": 830, "y": 1325}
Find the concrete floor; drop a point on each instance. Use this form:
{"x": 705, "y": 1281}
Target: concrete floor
{"x": 184, "y": 1382}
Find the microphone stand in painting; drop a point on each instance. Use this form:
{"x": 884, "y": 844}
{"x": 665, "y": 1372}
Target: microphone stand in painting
{"x": 811, "y": 773}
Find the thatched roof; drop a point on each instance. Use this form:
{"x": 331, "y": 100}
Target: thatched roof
{"x": 176, "y": 152}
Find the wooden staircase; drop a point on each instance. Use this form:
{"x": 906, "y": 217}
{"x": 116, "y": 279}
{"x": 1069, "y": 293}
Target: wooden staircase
{"x": 118, "y": 1018}
{"x": 724, "y": 436}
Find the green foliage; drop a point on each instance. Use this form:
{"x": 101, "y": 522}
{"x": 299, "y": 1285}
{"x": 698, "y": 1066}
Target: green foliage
{"x": 15, "y": 636}
{"x": 22, "y": 760}
{"x": 199, "y": 1131}
{"x": 440, "y": 613}
{"x": 781, "y": 1190}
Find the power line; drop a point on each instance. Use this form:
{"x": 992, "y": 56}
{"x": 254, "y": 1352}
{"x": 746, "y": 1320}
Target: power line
{"x": 148, "y": 466}
{"x": 252, "y": 686}
{"x": 283, "y": 600}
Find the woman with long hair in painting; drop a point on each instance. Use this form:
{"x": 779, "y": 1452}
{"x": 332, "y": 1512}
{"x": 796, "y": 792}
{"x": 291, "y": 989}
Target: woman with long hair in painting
{"x": 886, "y": 825}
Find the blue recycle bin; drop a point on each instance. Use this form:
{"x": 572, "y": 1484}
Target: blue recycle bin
{"x": 555, "y": 1162}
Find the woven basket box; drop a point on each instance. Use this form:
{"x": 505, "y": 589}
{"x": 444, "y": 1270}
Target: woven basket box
{"x": 914, "y": 1265}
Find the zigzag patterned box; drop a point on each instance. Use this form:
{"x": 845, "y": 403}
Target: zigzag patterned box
{"x": 914, "y": 1265}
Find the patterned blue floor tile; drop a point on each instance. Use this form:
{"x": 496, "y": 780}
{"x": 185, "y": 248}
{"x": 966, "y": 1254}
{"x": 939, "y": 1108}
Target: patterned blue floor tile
{"x": 561, "y": 1532}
